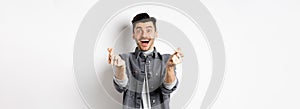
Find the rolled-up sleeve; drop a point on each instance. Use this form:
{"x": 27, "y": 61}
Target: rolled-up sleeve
{"x": 169, "y": 88}
{"x": 120, "y": 85}
{"x": 170, "y": 85}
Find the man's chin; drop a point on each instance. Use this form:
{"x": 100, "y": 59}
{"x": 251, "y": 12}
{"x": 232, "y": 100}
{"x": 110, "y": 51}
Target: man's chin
{"x": 144, "y": 48}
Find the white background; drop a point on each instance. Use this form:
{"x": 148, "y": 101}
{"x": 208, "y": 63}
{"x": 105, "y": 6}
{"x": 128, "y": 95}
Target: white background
{"x": 261, "y": 41}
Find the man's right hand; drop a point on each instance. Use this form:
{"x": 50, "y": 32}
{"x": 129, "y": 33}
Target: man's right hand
{"x": 115, "y": 60}
{"x": 118, "y": 63}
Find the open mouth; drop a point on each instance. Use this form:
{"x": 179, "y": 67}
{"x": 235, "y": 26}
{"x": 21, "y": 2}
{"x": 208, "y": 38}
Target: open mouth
{"x": 145, "y": 42}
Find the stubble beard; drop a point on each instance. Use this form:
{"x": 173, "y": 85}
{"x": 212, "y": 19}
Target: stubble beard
{"x": 149, "y": 47}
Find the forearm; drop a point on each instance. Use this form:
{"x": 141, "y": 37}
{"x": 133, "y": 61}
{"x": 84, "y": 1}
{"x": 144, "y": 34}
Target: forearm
{"x": 121, "y": 83}
{"x": 120, "y": 76}
{"x": 170, "y": 74}
{"x": 120, "y": 73}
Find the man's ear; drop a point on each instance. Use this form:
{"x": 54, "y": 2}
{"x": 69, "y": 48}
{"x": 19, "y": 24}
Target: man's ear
{"x": 155, "y": 34}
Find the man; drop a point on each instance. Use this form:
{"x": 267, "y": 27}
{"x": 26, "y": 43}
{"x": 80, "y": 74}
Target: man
{"x": 145, "y": 77}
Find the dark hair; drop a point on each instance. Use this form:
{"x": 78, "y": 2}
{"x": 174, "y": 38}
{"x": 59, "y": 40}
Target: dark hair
{"x": 143, "y": 17}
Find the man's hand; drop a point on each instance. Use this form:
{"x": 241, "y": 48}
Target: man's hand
{"x": 118, "y": 63}
{"x": 175, "y": 59}
{"x": 115, "y": 60}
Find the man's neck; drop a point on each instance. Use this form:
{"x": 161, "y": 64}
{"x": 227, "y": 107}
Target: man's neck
{"x": 148, "y": 51}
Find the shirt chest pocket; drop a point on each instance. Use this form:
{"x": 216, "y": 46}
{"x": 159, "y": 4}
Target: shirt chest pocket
{"x": 156, "y": 78}
{"x": 154, "y": 83}
{"x": 135, "y": 72}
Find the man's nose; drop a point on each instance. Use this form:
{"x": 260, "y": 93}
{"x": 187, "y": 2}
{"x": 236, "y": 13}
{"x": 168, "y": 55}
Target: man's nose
{"x": 144, "y": 35}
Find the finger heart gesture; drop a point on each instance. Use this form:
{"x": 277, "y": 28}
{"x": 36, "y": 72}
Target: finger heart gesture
{"x": 176, "y": 58}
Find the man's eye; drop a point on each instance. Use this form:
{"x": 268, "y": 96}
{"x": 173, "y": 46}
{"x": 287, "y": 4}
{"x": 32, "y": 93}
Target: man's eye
{"x": 149, "y": 30}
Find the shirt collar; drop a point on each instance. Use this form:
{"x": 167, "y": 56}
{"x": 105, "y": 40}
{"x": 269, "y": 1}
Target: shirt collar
{"x": 138, "y": 52}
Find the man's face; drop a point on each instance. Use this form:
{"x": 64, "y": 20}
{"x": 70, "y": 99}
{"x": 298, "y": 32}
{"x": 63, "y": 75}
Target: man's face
{"x": 144, "y": 34}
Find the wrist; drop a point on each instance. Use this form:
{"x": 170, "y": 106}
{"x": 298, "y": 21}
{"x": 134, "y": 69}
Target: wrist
{"x": 120, "y": 73}
{"x": 120, "y": 67}
{"x": 170, "y": 67}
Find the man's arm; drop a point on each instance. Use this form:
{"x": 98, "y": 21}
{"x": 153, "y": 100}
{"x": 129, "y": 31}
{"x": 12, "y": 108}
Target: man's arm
{"x": 170, "y": 74}
{"x": 174, "y": 59}
{"x": 120, "y": 78}
{"x": 170, "y": 81}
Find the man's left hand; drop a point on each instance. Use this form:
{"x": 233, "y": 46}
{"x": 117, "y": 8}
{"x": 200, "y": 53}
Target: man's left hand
{"x": 176, "y": 58}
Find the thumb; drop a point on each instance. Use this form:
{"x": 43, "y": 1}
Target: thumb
{"x": 178, "y": 52}
{"x": 110, "y": 50}
{"x": 110, "y": 54}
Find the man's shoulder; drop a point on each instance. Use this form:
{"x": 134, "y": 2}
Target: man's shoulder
{"x": 164, "y": 57}
{"x": 126, "y": 54}
{"x": 166, "y": 54}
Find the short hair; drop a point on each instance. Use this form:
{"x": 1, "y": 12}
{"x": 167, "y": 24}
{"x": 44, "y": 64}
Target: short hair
{"x": 143, "y": 17}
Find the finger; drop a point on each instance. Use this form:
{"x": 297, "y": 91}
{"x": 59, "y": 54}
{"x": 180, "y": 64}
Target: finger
{"x": 109, "y": 59}
{"x": 117, "y": 60}
{"x": 175, "y": 53}
{"x": 179, "y": 52}
{"x": 177, "y": 59}
{"x": 120, "y": 61}
{"x": 110, "y": 50}
{"x": 178, "y": 49}
{"x": 114, "y": 60}
{"x": 110, "y": 54}
{"x": 178, "y": 55}
{"x": 174, "y": 59}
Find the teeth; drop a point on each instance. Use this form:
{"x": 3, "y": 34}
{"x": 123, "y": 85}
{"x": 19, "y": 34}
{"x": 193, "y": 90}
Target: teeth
{"x": 144, "y": 40}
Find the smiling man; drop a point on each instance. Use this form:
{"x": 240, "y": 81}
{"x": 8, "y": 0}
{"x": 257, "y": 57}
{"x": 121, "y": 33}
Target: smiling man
{"x": 145, "y": 77}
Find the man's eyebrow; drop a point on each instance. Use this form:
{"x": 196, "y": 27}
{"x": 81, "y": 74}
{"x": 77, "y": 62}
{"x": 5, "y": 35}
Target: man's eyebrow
{"x": 141, "y": 27}
{"x": 138, "y": 27}
{"x": 149, "y": 27}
